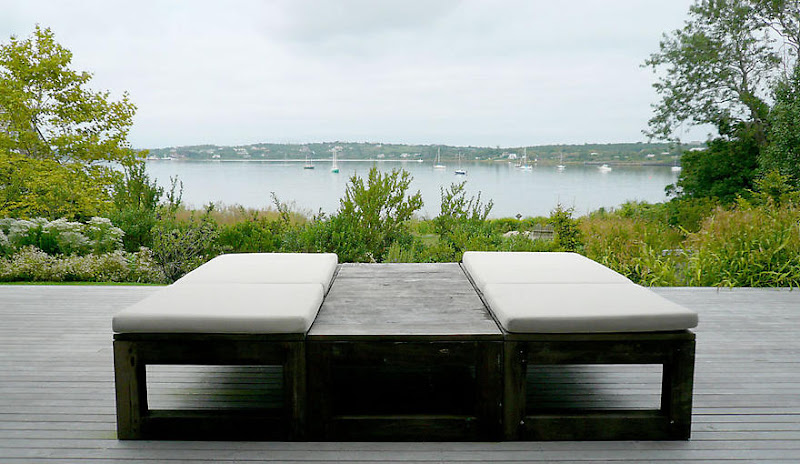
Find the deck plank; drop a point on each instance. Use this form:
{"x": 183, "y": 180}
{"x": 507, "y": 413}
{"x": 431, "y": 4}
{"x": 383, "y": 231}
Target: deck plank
{"x": 57, "y": 390}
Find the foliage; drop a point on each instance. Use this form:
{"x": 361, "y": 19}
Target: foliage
{"x": 747, "y": 246}
{"x": 718, "y": 68}
{"x": 33, "y": 265}
{"x": 783, "y": 17}
{"x": 687, "y": 213}
{"x": 783, "y": 152}
{"x": 179, "y": 247}
{"x": 59, "y": 141}
{"x": 567, "y": 233}
{"x": 48, "y": 113}
{"x": 772, "y": 190}
{"x": 135, "y": 206}
{"x": 252, "y": 235}
{"x": 461, "y": 223}
{"x": 45, "y": 188}
{"x": 646, "y": 251}
{"x": 61, "y": 236}
{"x": 373, "y": 214}
{"x": 723, "y": 171}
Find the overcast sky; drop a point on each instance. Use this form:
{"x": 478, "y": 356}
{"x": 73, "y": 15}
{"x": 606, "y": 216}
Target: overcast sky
{"x": 508, "y": 73}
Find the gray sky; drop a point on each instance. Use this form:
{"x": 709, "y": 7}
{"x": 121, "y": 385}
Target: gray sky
{"x": 471, "y": 72}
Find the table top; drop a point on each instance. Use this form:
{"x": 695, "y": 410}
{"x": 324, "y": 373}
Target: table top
{"x": 403, "y": 302}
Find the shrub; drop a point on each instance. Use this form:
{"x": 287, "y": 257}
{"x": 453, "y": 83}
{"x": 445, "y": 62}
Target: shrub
{"x": 32, "y": 264}
{"x": 103, "y": 236}
{"x": 461, "y": 223}
{"x": 180, "y": 247}
{"x": 29, "y": 264}
{"x": 370, "y": 218}
{"x": 253, "y": 235}
{"x": 61, "y": 236}
{"x": 5, "y": 245}
{"x": 688, "y": 213}
{"x": 22, "y": 232}
{"x": 567, "y": 235}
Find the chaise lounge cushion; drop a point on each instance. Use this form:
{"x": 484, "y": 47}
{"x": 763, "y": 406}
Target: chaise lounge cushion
{"x": 486, "y": 267}
{"x": 224, "y": 308}
{"x": 584, "y": 308}
{"x": 273, "y": 268}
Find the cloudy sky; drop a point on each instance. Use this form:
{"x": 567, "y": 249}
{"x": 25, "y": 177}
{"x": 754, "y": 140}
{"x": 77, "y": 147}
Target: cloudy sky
{"x": 473, "y": 72}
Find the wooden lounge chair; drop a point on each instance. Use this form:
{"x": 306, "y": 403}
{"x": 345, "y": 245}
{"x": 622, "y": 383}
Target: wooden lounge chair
{"x": 252, "y": 309}
{"x": 564, "y": 309}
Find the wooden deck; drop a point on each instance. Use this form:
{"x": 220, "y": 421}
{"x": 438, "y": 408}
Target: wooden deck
{"x": 57, "y": 391}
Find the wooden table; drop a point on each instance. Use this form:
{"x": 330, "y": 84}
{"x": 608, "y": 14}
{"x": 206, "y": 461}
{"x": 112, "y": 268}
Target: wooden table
{"x": 404, "y": 352}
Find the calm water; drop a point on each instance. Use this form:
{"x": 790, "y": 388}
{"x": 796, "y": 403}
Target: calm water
{"x": 530, "y": 193}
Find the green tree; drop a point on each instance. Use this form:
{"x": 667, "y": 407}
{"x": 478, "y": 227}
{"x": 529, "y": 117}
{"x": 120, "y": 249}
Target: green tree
{"x": 783, "y": 153}
{"x": 724, "y": 170}
{"x": 50, "y": 118}
{"x": 44, "y": 188}
{"x": 717, "y": 70}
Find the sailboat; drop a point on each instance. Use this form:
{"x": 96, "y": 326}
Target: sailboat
{"x": 309, "y": 162}
{"x": 525, "y": 166}
{"x": 460, "y": 171}
{"x": 561, "y": 166}
{"x": 675, "y": 167}
{"x": 439, "y": 166}
{"x": 335, "y": 165}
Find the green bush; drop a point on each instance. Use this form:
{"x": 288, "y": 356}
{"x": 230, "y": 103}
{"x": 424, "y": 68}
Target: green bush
{"x": 33, "y": 265}
{"x": 181, "y": 247}
{"x": 373, "y": 215}
{"x": 61, "y": 236}
{"x": 567, "y": 235}
{"x": 254, "y": 235}
{"x": 135, "y": 206}
{"x": 461, "y": 223}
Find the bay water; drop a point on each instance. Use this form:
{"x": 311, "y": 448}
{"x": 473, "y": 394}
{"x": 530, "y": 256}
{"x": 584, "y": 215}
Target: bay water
{"x": 514, "y": 191}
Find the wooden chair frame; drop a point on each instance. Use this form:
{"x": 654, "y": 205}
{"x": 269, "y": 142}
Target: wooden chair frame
{"x": 675, "y": 351}
{"x": 133, "y": 352}
{"x": 485, "y": 423}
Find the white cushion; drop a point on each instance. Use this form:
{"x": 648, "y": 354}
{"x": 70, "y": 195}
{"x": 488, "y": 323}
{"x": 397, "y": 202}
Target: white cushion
{"x": 584, "y": 308}
{"x": 487, "y": 267}
{"x": 224, "y": 308}
{"x": 266, "y": 268}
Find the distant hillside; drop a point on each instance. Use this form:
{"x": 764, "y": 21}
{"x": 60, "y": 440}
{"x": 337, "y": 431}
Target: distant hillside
{"x": 649, "y": 153}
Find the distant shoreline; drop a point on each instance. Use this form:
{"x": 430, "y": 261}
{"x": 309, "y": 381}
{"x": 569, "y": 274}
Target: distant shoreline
{"x": 396, "y": 161}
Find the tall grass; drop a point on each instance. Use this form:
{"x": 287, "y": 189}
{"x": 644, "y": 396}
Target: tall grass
{"x": 646, "y": 251}
{"x": 746, "y": 246}
{"x": 749, "y": 246}
{"x": 223, "y": 214}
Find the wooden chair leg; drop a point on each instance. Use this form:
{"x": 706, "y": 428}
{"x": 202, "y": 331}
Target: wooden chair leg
{"x": 677, "y": 387}
{"x": 515, "y": 366}
{"x": 131, "y": 390}
{"x": 294, "y": 375}
{"x": 489, "y": 389}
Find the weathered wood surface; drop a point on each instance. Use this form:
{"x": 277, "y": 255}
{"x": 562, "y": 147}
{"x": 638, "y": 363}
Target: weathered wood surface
{"x": 404, "y": 351}
{"x": 403, "y": 300}
{"x": 57, "y": 391}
